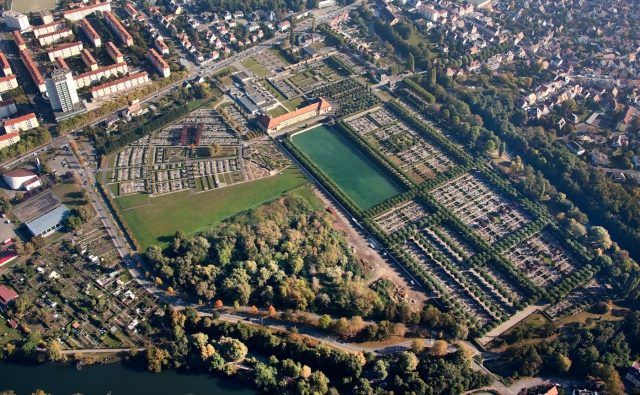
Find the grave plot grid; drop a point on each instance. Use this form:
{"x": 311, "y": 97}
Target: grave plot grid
{"x": 541, "y": 258}
{"x": 382, "y": 117}
{"x": 399, "y": 217}
{"x": 457, "y": 241}
{"x": 492, "y": 294}
{"x": 285, "y": 87}
{"x": 214, "y": 130}
{"x": 312, "y": 75}
{"x": 461, "y": 295}
{"x": 132, "y": 156}
{"x": 362, "y": 125}
{"x": 481, "y": 207}
{"x": 236, "y": 119}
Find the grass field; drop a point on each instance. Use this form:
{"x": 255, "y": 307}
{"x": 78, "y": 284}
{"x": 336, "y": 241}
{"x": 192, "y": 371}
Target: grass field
{"x": 273, "y": 91}
{"x": 70, "y": 194}
{"x": 33, "y": 5}
{"x": 293, "y": 103}
{"x": 158, "y": 222}
{"x": 276, "y": 112}
{"x": 256, "y": 67}
{"x": 129, "y": 201}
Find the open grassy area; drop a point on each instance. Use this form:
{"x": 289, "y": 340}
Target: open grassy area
{"x": 276, "y": 112}
{"x": 115, "y": 188}
{"x": 129, "y": 201}
{"x": 293, "y": 103}
{"x": 318, "y": 46}
{"x": 256, "y": 67}
{"x": 158, "y": 222}
{"x": 33, "y": 5}
{"x": 306, "y": 192}
{"x": 70, "y": 194}
{"x": 278, "y": 55}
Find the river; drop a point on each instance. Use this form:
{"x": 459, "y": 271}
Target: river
{"x": 115, "y": 378}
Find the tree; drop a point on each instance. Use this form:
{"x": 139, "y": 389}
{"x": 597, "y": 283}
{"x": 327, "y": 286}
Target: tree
{"x": 73, "y": 223}
{"x": 324, "y": 322}
{"x": 407, "y": 361}
{"x": 503, "y": 148}
{"x": 439, "y": 348}
{"x": 576, "y": 228}
{"x": 305, "y": 373}
{"x": 313, "y": 25}
{"x": 380, "y": 369}
{"x": 232, "y": 349}
{"x": 218, "y": 304}
{"x": 38, "y": 242}
{"x": 157, "y": 281}
{"x": 490, "y": 146}
{"x": 254, "y": 310}
{"x": 516, "y": 166}
{"x": 54, "y": 351}
{"x": 265, "y": 376}
{"x": 600, "y": 237}
{"x": 460, "y": 331}
{"x": 410, "y": 62}
{"x": 417, "y": 346}
{"x": 561, "y": 363}
{"x": 271, "y": 311}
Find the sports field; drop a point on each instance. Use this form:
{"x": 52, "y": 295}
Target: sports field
{"x": 159, "y": 221}
{"x": 33, "y": 5}
{"x": 356, "y": 175}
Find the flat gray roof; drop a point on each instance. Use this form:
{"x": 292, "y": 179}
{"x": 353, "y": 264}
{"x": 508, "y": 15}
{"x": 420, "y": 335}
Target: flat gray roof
{"x": 48, "y": 220}
{"x": 248, "y": 105}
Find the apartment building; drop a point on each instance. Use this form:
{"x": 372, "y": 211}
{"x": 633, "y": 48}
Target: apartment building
{"x": 17, "y": 38}
{"x": 119, "y": 85}
{"x": 118, "y": 29}
{"x": 65, "y": 51}
{"x": 161, "y": 46}
{"x": 4, "y": 64}
{"x": 159, "y": 63}
{"x": 114, "y": 52}
{"x": 61, "y": 64}
{"x": 16, "y": 20}
{"x": 89, "y": 60}
{"x": 54, "y": 37}
{"x": 33, "y": 71}
{"x": 9, "y": 139}
{"x": 79, "y": 13}
{"x": 8, "y": 108}
{"x": 48, "y": 28}
{"x": 93, "y": 77}
{"x": 21, "y": 124}
{"x": 90, "y": 32}
{"x": 8, "y": 83}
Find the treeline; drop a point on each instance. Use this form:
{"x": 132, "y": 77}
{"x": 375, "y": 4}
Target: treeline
{"x": 333, "y": 37}
{"x": 338, "y": 63}
{"x": 123, "y": 223}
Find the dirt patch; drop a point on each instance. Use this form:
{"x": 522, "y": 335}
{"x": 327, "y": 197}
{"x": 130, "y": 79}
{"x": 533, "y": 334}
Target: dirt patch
{"x": 383, "y": 267}
{"x": 425, "y": 171}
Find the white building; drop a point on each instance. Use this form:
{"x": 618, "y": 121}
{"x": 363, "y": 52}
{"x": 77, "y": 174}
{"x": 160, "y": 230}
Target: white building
{"x": 17, "y": 178}
{"x": 21, "y": 124}
{"x": 159, "y": 63}
{"x": 430, "y": 13}
{"x": 93, "y": 77}
{"x": 48, "y": 28}
{"x": 54, "y": 37}
{"x": 48, "y": 223}
{"x": 161, "y": 46}
{"x": 7, "y": 108}
{"x": 119, "y": 85}
{"x": 65, "y": 51}
{"x": 9, "y": 139}
{"x": 62, "y": 90}
{"x": 8, "y": 83}
{"x": 4, "y": 65}
{"x": 79, "y": 13}
{"x": 326, "y": 3}
{"x": 16, "y": 20}
{"x": 33, "y": 71}
{"x": 118, "y": 29}
{"x": 114, "y": 52}
{"x": 88, "y": 59}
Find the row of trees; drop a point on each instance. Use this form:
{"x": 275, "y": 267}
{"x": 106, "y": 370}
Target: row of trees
{"x": 339, "y": 64}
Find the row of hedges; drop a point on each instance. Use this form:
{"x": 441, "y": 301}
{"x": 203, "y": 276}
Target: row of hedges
{"x": 417, "y": 89}
{"x": 339, "y": 63}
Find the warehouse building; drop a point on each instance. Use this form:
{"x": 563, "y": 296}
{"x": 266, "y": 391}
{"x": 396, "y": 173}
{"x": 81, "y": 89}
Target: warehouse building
{"x": 50, "y": 222}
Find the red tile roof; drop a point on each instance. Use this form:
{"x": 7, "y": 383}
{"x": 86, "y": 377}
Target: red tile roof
{"x": 65, "y": 46}
{"x": 66, "y": 29}
{"x": 68, "y": 12}
{"x": 118, "y": 26}
{"x": 17, "y": 38}
{"x": 33, "y": 69}
{"x": 6, "y": 294}
{"x": 54, "y": 23}
{"x": 18, "y": 120}
{"x": 4, "y": 63}
{"x": 89, "y": 29}
{"x": 158, "y": 58}
{"x": 116, "y": 82}
{"x": 7, "y": 78}
{"x": 9, "y": 136}
{"x": 269, "y": 122}
{"x": 101, "y": 69}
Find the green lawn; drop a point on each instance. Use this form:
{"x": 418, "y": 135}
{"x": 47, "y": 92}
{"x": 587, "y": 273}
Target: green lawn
{"x": 115, "y": 188}
{"x": 256, "y": 67}
{"x": 293, "y": 103}
{"x": 306, "y": 191}
{"x": 129, "y": 201}
{"x": 278, "y": 55}
{"x": 70, "y": 194}
{"x": 158, "y": 222}
{"x": 273, "y": 91}
{"x": 318, "y": 46}
{"x": 276, "y": 112}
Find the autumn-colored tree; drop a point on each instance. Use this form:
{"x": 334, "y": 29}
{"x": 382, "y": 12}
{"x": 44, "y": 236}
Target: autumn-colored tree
{"x": 306, "y": 372}
{"x": 219, "y": 304}
{"x": 417, "y": 346}
{"x": 439, "y": 348}
{"x": 254, "y": 310}
{"x": 170, "y": 290}
{"x": 146, "y": 274}
{"x": 157, "y": 281}
{"x": 271, "y": 311}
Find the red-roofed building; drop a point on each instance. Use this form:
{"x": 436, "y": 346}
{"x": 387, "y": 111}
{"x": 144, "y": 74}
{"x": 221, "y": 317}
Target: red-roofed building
{"x": 8, "y": 83}
{"x": 17, "y": 38}
{"x": 271, "y": 125}
{"x": 161, "y": 46}
{"x": 9, "y": 139}
{"x": 33, "y": 71}
{"x": 7, "y": 295}
{"x": 93, "y": 77}
{"x": 54, "y": 37}
{"x": 79, "y": 13}
{"x": 88, "y": 59}
{"x": 159, "y": 63}
{"x": 119, "y": 85}
{"x": 118, "y": 29}
{"x": 48, "y": 28}
{"x": 61, "y": 64}
{"x": 7, "y": 108}
{"x": 4, "y": 65}
{"x": 130, "y": 10}
{"x": 114, "y": 52}
{"x": 65, "y": 50}
{"x": 21, "y": 124}
{"x": 90, "y": 32}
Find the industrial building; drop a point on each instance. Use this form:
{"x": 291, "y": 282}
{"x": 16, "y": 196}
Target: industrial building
{"x": 50, "y": 222}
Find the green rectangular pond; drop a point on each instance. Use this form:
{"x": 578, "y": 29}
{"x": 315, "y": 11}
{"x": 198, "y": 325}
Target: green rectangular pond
{"x": 354, "y": 173}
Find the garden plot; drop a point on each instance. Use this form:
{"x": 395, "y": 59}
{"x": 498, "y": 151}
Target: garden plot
{"x": 461, "y": 295}
{"x": 541, "y": 258}
{"x": 399, "y": 217}
{"x": 481, "y": 207}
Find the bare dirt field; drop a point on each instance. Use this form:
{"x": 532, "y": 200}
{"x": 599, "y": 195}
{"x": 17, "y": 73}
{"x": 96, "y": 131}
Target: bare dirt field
{"x": 33, "y": 5}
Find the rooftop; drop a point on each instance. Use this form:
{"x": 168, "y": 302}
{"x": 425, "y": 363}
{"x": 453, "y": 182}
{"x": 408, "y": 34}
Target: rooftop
{"x": 100, "y": 70}
{"x": 69, "y": 12}
{"x": 19, "y": 119}
{"x": 9, "y": 136}
{"x": 269, "y": 122}
{"x": 158, "y": 58}
{"x": 33, "y": 69}
{"x": 55, "y": 23}
{"x": 48, "y": 220}
{"x": 6, "y": 294}
{"x": 66, "y": 29}
{"x": 4, "y": 63}
{"x": 116, "y": 82}
{"x": 19, "y": 172}
{"x": 65, "y": 46}
{"x": 89, "y": 29}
